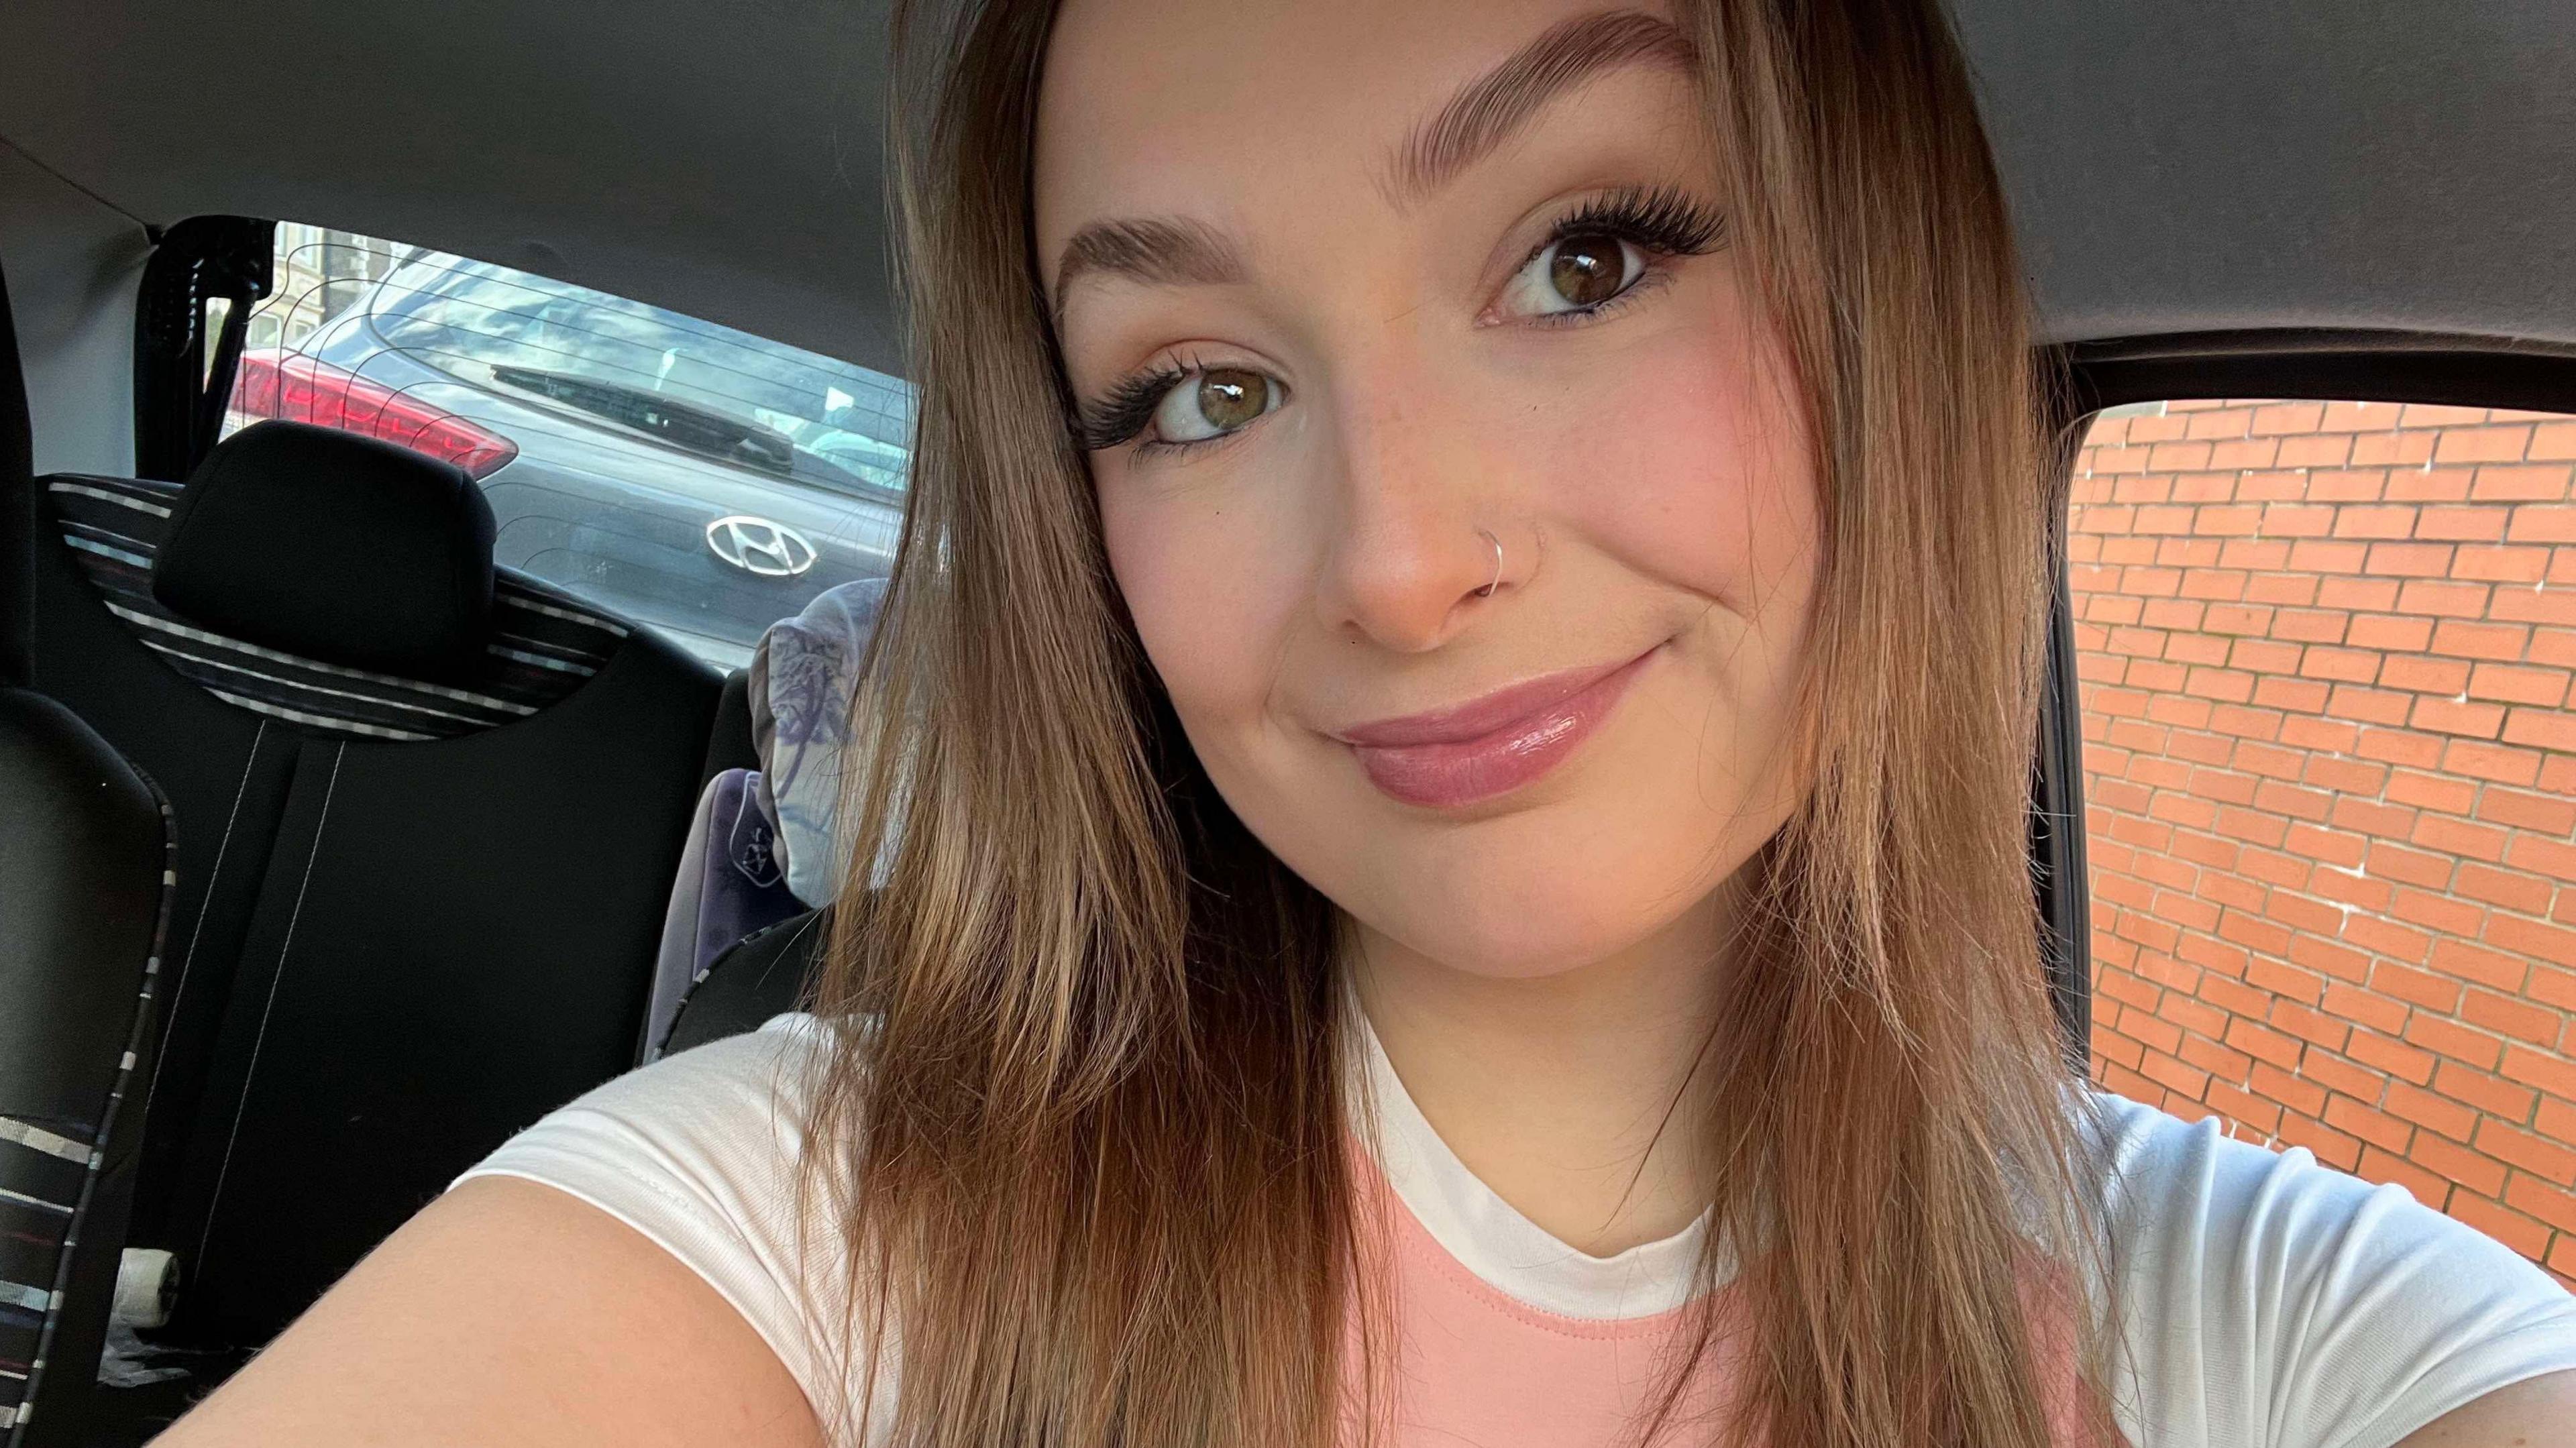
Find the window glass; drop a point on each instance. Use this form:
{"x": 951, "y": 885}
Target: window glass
{"x": 687, "y": 476}
{"x": 2325, "y": 652}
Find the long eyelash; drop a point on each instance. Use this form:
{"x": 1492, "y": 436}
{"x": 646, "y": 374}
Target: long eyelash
{"x": 1122, "y": 415}
{"x": 1658, "y": 218}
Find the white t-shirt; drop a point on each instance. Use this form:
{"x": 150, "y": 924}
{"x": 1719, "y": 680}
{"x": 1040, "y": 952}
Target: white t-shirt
{"x": 2267, "y": 1300}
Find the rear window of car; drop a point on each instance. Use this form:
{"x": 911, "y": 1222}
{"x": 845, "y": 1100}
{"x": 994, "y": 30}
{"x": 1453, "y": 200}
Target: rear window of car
{"x": 685, "y": 475}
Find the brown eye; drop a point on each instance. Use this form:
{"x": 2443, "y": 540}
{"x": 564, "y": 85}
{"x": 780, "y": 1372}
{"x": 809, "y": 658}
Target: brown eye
{"x": 1574, "y": 273}
{"x": 1221, "y": 400}
{"x": 1588, "y": 270}
{"x": 1229, "y": 399}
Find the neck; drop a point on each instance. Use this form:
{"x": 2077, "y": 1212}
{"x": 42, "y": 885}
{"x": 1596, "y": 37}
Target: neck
{"x": 1570, "y": 1094}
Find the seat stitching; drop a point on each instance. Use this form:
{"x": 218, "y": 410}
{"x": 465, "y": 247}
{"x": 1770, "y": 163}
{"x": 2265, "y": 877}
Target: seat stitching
{"x": 241, "y": 1108}
{"x": 170, "y": 1015}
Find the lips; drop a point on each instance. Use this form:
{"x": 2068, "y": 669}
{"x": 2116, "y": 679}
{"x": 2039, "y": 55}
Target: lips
{"x": 1490, "y": 746}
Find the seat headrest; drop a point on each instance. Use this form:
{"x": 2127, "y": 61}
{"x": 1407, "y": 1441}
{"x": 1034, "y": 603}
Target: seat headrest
{"x": 803, "y": 676}
{"x": 333, "y": 546}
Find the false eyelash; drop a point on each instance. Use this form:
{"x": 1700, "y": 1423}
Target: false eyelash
{"x": 1658, "y": 218}
{"x": 1121, "y": 417}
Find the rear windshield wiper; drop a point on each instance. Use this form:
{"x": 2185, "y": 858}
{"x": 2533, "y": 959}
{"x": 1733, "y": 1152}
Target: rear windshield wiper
{"x": 697, "y": 429}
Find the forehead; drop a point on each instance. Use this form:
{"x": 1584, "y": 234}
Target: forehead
{"x": 1186, "y": 106}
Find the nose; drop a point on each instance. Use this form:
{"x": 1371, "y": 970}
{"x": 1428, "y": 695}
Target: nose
{"x": 1424, "y": 540}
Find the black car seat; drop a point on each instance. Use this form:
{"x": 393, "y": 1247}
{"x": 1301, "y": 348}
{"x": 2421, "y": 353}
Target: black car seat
{"x": 427, "y": 818}
{"x": 85, "y": 859}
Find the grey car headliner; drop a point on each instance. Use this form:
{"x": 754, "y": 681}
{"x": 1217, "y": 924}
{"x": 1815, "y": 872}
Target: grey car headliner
{"x": 2180, "y": 166}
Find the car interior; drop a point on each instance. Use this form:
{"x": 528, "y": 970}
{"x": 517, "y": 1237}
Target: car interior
{"x": 333, "y": 851}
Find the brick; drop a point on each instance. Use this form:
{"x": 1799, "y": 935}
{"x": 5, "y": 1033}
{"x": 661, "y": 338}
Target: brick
{"x": 2523, "y": 1234}
{"x": 2358, "y": 1082}
{"x": 2422, "y": 868}
{"x": 2482, "y": 445}
{"x": 2314, "y": 962}
{"x": 2396, "y": 560}
{"x": 2365, "y": 1008}
{"x": 2221, "y": 1062}
{"x": 2541, "y": 729}
{"x": 2331, "y": 847}
{"x": 2458, "y": 1164}
{"x": 2369, "y": 1123}
{"x": 2458, "y": 837}
{"x": 2387, "y": 1169}
{"x": 2389, "y": 632}
{"x": 2506, "y": 1016}
{"x": 2466, "y": 961}
{"x": 2433, "y": 1112}
{"x": 2361, "y": 704}
{"x": 2482, "y": 1091}
{"x": 2411, "y": 450}
{"x": 2434, "y": 414}
{"x": 2398, "y": 746}
{"x": 2553, "y": 440}
{"x": 2437, "y": 715}
{"x": 2549, "y": 1204}
{"x": 2432, "y": 1033}
{"x": 2541, "y": 483}
{"x": 2382, "y": 1054}
{"x": 2519, "y": 684}
{"x": 2530, "y": 937}
{"x": 2314, "y": 1027}
{"x": 2543, "y": 523}
{"x": 2319, "y": 451}
{"x": 2345, "y": 485}
{"x": 2377, "y": 521}
{"x": 2492, "y": 641}
{"x": 2552, "y": 987}
{"x": 2492, "y": 762}
{"x": 2512, "y": 889}
{"x": 2516, "y": 1147}
{"x": 2334, "y": 1148}
{"x": 2508, "y": 563}
{"x": 2240, "y": 1105}
{"x": 2442, "y": 598}
{"x": 2332, "y": 736}
{"x": 2173, "y": 1075}
{"x": 2274, "y": 1084}
{"x": 2423, "y": 674}
{"x": 2263, "y": 1043}
{"x": 2385, "y": 937}
{"x": 2548, "y": 814}
{"x": 2459, "y": 524}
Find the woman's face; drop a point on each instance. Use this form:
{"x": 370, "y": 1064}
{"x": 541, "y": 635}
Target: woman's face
{"x": 1352, "y": 294}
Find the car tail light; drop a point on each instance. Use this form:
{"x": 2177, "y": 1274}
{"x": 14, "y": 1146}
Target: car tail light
{"x": 297, "y": 388}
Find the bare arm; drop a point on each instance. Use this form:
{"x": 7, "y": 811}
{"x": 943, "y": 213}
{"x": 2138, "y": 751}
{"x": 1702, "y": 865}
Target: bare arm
{"x": 2534, "y": 1413}
{"x": 508, "y": 1313}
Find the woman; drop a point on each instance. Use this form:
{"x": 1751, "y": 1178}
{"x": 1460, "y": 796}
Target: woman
{"x": 1461, "y": 678}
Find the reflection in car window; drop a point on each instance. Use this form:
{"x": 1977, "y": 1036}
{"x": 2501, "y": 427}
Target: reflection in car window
{"x": 684, "y": 475}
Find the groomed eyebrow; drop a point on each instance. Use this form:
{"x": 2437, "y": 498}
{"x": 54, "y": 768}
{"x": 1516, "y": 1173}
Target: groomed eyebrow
{"x": 1178, "y": 251}
{"x": 1158, "y": 250}
{"x": 1488, "y": 110}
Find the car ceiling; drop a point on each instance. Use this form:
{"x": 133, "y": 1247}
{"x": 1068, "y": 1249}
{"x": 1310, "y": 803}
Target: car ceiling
{"x": 2180, "y": 166}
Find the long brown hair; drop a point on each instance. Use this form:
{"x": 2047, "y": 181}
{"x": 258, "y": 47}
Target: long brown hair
{"x": 1083, "y": 1124}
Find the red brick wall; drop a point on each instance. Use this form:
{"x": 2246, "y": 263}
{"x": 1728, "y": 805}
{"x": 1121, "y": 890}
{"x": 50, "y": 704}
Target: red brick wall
{"x": 2330, "y": 780}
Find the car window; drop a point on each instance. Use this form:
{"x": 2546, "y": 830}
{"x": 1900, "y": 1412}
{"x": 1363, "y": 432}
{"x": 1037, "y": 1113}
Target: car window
{"x": 2330, "y": 778}
{"x": 685, "y": 475}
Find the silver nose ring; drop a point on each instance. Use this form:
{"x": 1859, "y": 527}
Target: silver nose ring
{"x": 1488, "y": 590}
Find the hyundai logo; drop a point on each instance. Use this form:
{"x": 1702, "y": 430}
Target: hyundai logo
{"x": 756, "y": 545}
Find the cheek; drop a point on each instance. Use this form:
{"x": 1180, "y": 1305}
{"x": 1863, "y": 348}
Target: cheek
{"x": 1693, "y": 472}
{"x": 1213, "y": 605}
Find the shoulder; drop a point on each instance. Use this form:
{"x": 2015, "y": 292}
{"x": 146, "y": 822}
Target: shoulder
{"x": 701, "y": 1152}
{"x": 2265, "y": 1297}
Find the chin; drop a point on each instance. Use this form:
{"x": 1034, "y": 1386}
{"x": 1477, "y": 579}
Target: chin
{"x": 1513, "y": 915}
